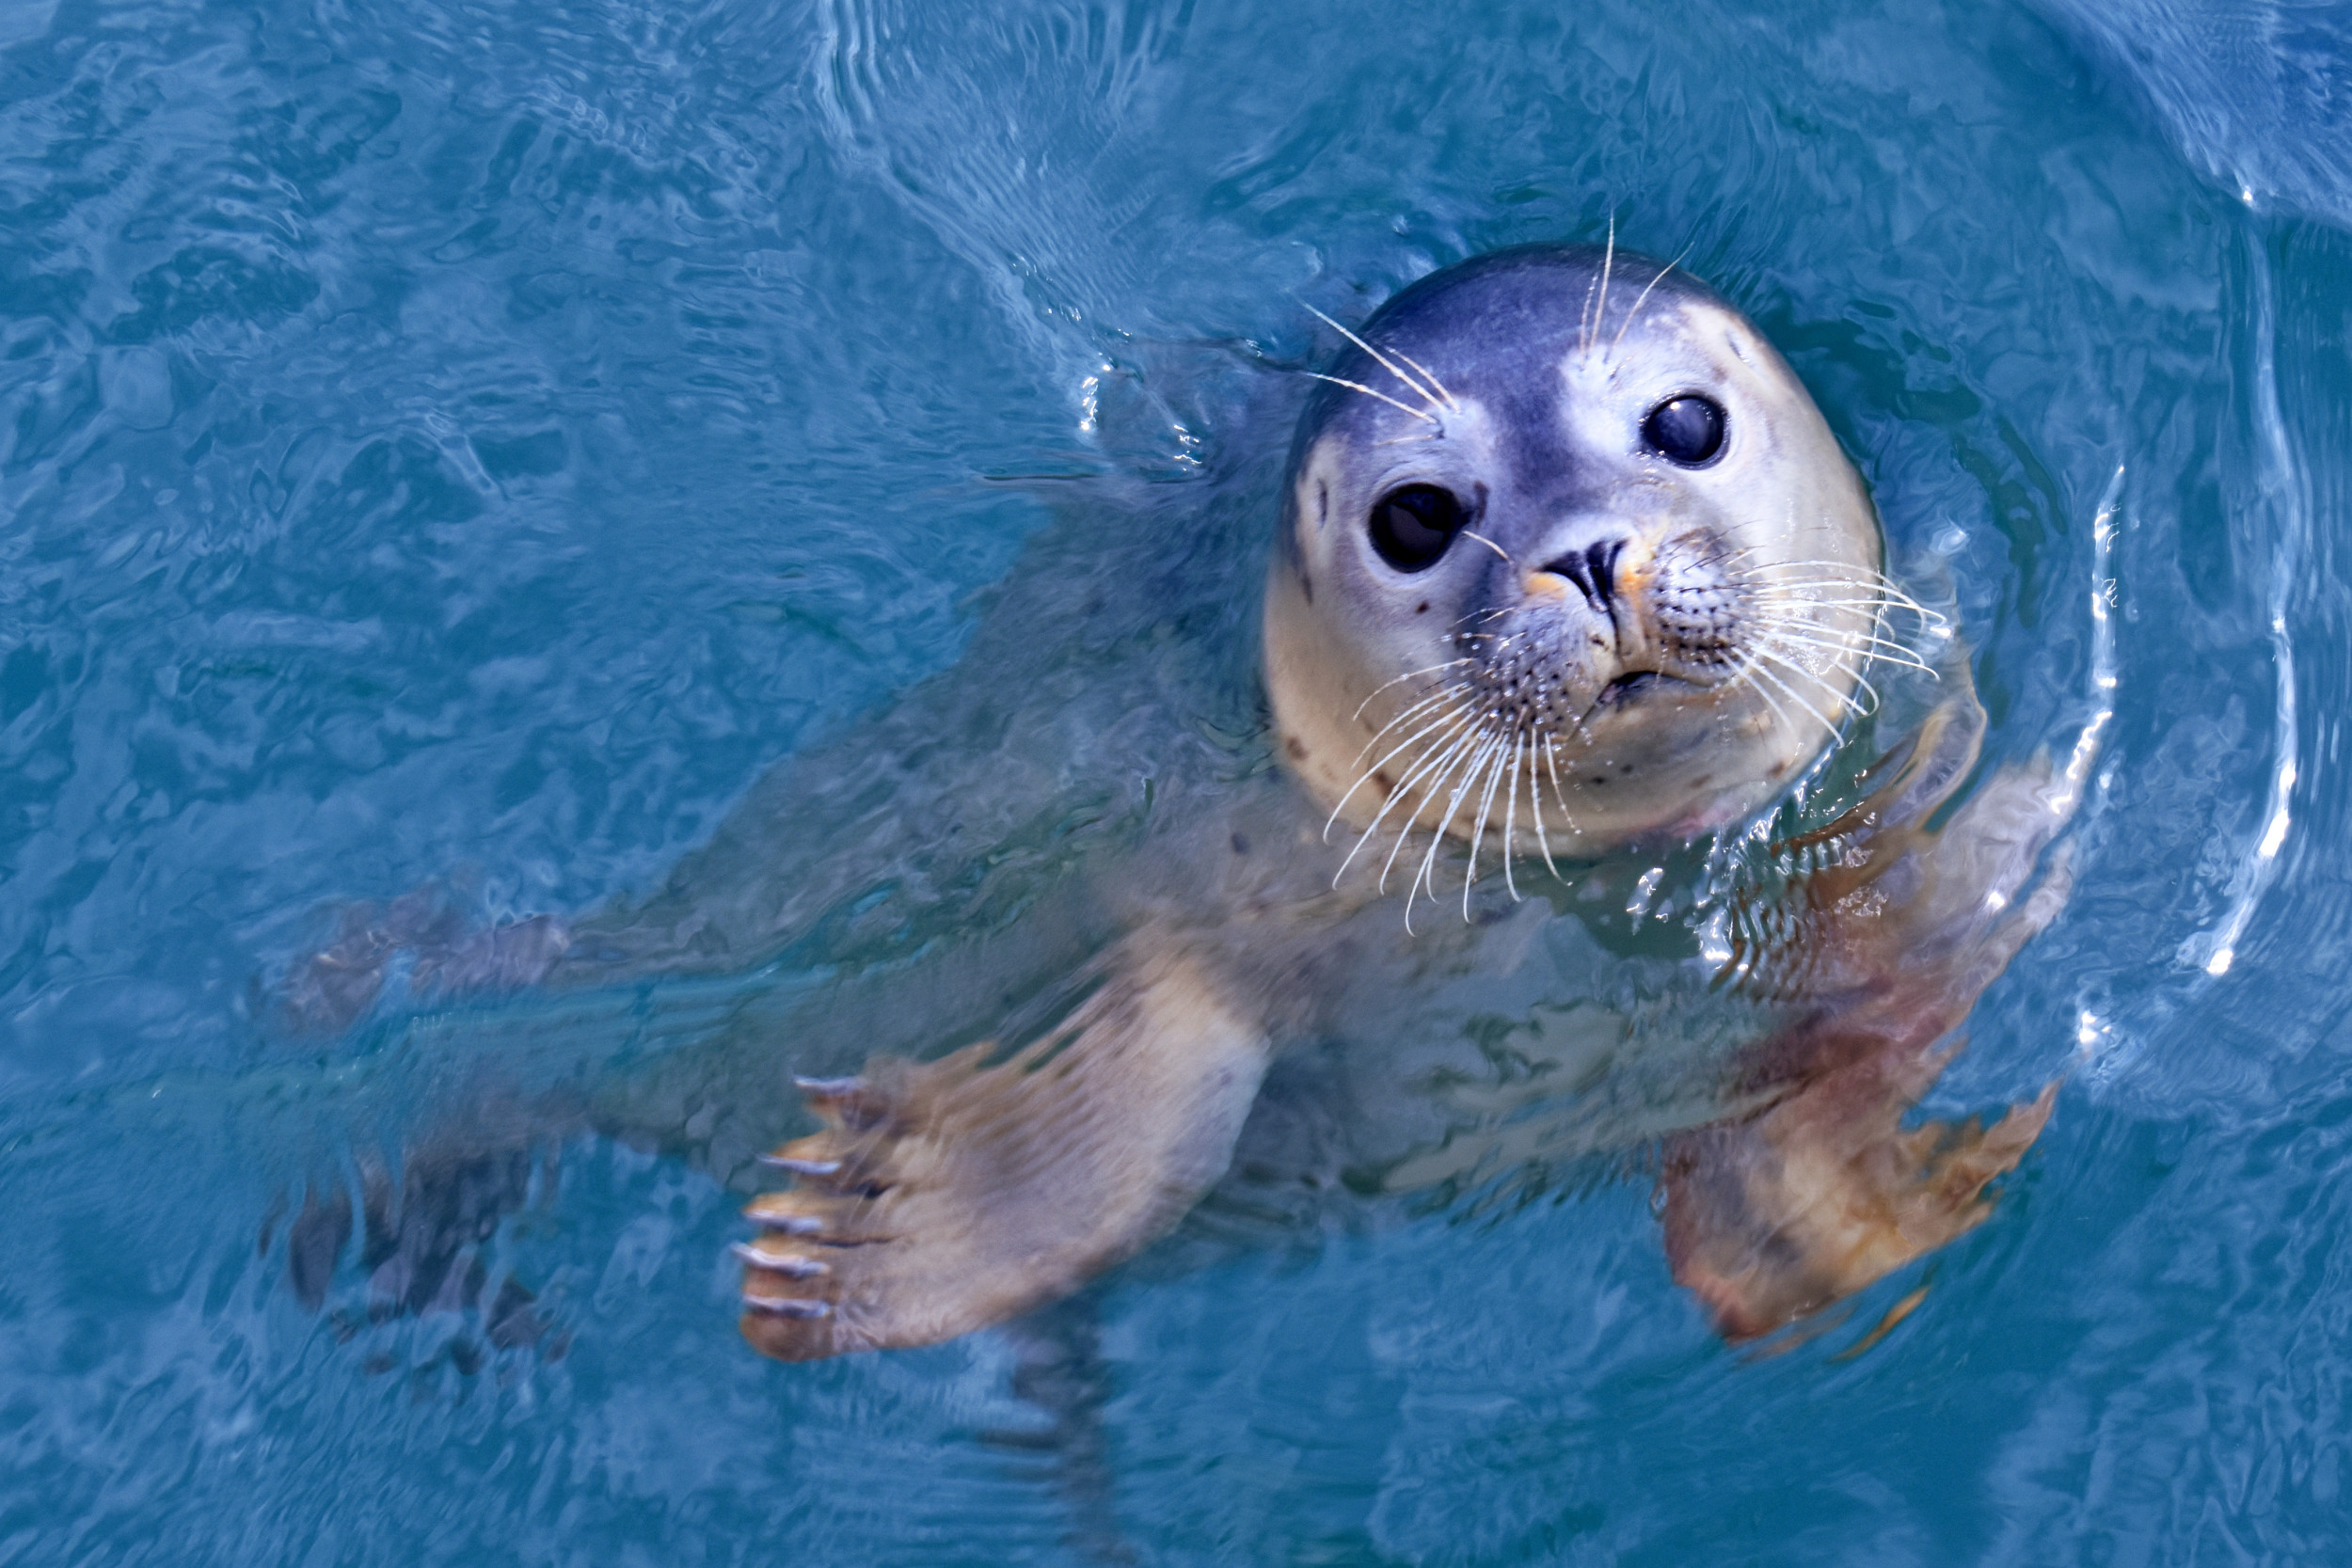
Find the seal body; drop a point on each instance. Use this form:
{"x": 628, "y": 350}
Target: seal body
{"x": 1566, "y": 561}
{"x": 1565, "y": 552}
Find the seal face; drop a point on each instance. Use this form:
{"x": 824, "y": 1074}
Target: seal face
{"x": 1567, "y": 552}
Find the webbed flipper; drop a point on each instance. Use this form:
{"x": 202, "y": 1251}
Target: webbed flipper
{"x": 945, "y": 1196}
{"x": 1820, "y": 1189}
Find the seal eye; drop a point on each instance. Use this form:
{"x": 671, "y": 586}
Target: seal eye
{"x": 1412, "y": 526}
{"x": 1688, "y": 430}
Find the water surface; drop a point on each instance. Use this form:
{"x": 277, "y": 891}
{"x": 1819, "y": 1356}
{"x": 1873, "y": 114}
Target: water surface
{"x": 466, "y": 446}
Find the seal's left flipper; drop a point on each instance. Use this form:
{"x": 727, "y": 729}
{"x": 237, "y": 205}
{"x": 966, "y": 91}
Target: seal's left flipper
{"x": 1791, "y": 1207}
{"x": 950, "y": 1195}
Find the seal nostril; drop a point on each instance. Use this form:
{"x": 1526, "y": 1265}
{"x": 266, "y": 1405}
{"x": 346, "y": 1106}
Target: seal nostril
{"x": 1594, "y": 570}
{"x": 1573, "y": 568}
{"x": 1604, "y": 563}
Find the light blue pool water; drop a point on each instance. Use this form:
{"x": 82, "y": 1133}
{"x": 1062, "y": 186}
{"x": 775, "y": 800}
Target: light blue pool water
{"x": 465, "y": 446}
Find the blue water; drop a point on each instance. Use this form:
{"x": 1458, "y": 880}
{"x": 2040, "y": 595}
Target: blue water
{"x": 465, "y": 446}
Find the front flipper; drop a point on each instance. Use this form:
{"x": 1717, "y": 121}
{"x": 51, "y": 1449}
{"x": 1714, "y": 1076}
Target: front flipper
{"x": 945, "y": 1196}
{"x": 1789, "y": 1208}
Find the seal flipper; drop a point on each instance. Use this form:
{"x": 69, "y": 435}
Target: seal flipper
{"x": 1791, "y": 1207}
{"x": 329, "y": 989}
{"x": 946, "y": 1197}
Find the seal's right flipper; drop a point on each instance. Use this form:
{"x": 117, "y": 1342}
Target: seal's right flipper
{"x": 946, "y": 1197}
{"x": 1818, "y": 1188}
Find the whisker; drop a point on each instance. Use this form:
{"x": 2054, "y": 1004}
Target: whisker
{"x": 1608, "y": 259}
{"x": 1536, "y": 807}
{"x": 1847, "y": 570}
{"x": 1877, "y": 607}
{"x": 1359, "y": 386}
{"x": 1453, "y": 809}
{"x": 1458, "y": 719}
{"x": 1424, "y": 670}
{"x": 1798, "y": 666}
{"x": 1471, "y": 760}
{"x": 1877, "y": 701}
{"x": 1633, "y": 314}
{"x": 1865, "y": 584}
{"x": 1473, "y": 533}
{"x": 1386, "y": 363}
{"x": 1478, "y": 833}
{"x": 1796, "y": 697}
{"x": 1874, "y": 582}
{"x": 1424, "y": 772}
{"x": 1810, "y": 594}
{"x": 1412, "y": 715}
{"x": 1432, "y": 377}
{"x": 1746, "y": 676}
{"x": 1511, "y": 811}
{"x": 1879, "y": 650}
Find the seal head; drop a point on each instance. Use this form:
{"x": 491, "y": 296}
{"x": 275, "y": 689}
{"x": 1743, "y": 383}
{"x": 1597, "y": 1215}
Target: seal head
{"x": 1566, "y": 551}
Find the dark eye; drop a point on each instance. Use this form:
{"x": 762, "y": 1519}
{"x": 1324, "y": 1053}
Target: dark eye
{"x": 1412, "y": 526}
{"x": 1688, "y": 430}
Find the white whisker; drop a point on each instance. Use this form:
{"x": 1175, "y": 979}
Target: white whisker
{"x": 1457, "y": 719}
{"x": 1424, "y": 670}
{"x": 1478, "y": 833}
{"x": 1511, "y": 811}
{"x": 1473, "y": 533}
{"x": 1386, "y": 363}
{"x": 1633, "y": 314}
{"x": 1413, "y": 714}
{"x": 1471, "y": 757}
{"x": 1793, "y": 696}
{"x": 1608, "y": 259}
{"x": 1536, "y": 807}
{"x": 1359, "y": 386}
{"x": 1877, "y": 701}
{"x": 1800, "y": 668}
{"x": 1453, "y": 809}
{"x": 1809, "y": 595}
{"x": 1874, "y": 650}
{"x": 1433, "y": 380}
{"x": 1432, "y": 766}
{"x": 1746, "y": 676}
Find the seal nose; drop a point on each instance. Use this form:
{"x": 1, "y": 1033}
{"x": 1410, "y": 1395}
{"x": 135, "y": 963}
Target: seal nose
{"x": 1594, "y": 570}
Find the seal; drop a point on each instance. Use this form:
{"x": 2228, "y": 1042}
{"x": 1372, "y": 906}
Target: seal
{"x": 1568, "y": 561}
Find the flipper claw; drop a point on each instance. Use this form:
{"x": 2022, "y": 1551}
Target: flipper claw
{"x": 798, "y": 1268}
{"x": 786, "y": 1306}
{"x": 799, "y": 1167}
{"x": 828, "y": 1088}
{"x": 790, "y": 1224}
